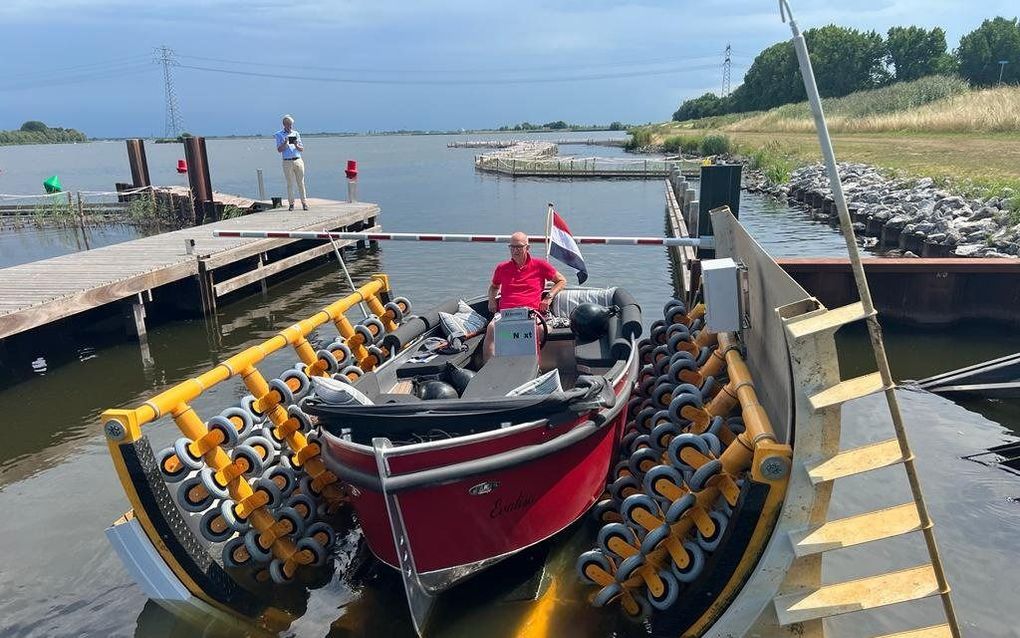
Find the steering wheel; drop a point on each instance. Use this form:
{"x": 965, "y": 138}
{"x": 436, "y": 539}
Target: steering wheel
{"x": 545, "y": 328}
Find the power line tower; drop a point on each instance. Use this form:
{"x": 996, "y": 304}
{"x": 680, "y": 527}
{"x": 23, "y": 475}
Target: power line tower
{"x": 727, "y": 65}
{"x": 174, "y": 123}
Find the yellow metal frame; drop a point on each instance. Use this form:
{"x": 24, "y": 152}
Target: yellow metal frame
{"x": 124, "y": 427}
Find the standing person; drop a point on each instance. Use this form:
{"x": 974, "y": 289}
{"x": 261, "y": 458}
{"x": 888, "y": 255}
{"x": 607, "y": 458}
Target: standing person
{"x": 520, "y": 282}
{"x": 288, "y": 143}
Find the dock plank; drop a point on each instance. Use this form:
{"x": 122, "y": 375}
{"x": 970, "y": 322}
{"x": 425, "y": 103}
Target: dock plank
{"x": 40, "y": 292}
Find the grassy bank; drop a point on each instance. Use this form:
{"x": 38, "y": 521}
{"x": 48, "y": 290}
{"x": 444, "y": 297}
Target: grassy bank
{"x": 935, "y": 127}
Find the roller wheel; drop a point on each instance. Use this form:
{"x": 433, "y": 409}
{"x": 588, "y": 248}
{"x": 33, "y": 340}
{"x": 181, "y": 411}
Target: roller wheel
{"x": 193, "y": 496}
{"x": 675, "y": 342}
{"x": 251, "y": 456}
{"x": 636, "y": 608}
{"x": 366, "y": 334}
{"x": 296, "y": 413}
{"x": 616, "y": 531}
{"x": 671, "y": 306}
{"x": 263, "y": 447}
{"x": 695, "y": 563}
{"x": 634, "y": 506}
{"x": 714, "y": 444}
{"x": 248, "y": 405}
{"x": 708, "y": 387}
{"x": 658, "y": 335}
{"x": 643, "y": 420}
{"x": 182, "y": 448}
{"x": 395, "y": 312}
{"x": 677, "y": 445}
{"x": 605, "y": 512}
{"x": 341, "y": 352}
{"x": 715, "y": 426}
{"x": 303, "y": 505}
{"x": 235, "y": 554}
{"x": 703, "y": 356}
{"x": 319, "y": 553}
{"x": 258, "y": 553}
{"x": 703, "y": 473}
{"x": 286, "y": 479}
{"x": 678, "y": 366}
{"x": 679, "y": 402}
{"x": 655, "y": 476}
{"x": 643, "y": 460}
{"x": 322, "y": 534}
{"x": 276, "y": 572}
{"x": 670, "y": 592}
{"x": 678, "y": 329}
{"x": 625, "y": 442}
{"x": 680, "y": 507}
{"x": 208, "y": 479}
{"x": 711, "y": 542}
{"x": 654, "y": 538}
{"x": 241, "y": 420}
{"x": 299, "y": 379}
{"x": 297, "y": 522}
{"x": 641, "y": 442}
{"x": 353, "y": 373}
{"x": 273, "y": 492}
{"x": 644, "y": 389}
{"x": 628, "y": 566}
{"x": 589, "y": 562}
{"x": 662, "y": 434}
{"x": 238, "y": 524}
{"x": 404, "y": 304}
{"x": 662, "y": 395}
{"x": 167, "y": 459}
{"x": 623, "y": 487}
{"x": 607, "y": 594}
{"x": 214, "y": 528}
{"x": 376, "y": 326}
{"x": 659, "y": 353}
{"x": 645, "y": 353}
{"x": 286, "y": 396}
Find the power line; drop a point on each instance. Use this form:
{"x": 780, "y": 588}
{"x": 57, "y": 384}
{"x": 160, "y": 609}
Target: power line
{"x": 174, "y": 124}
{"x": 458, "y": 82}
{"x": 488, "y": 70}
{"x": 115, "y": 73}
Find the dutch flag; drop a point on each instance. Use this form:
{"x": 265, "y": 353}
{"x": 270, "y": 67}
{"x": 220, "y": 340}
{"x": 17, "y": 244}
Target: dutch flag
{"x": 563, "y": 247}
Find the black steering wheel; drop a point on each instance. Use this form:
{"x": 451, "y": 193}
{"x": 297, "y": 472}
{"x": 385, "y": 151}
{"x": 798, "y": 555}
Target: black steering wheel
{"x": 545, "y": 328}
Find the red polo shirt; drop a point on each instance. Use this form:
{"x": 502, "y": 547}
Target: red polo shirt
{"x": 522, "y": 287}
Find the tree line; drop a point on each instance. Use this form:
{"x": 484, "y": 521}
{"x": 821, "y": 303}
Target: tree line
{"x": 35, "y": 132}
{"x": 846, "y": 60}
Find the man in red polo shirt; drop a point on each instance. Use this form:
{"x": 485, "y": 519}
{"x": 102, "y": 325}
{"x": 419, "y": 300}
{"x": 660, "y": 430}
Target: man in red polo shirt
{"x": 520, "y": 283}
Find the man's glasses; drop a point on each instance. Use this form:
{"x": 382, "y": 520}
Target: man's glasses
{"x": 518, "y": 246}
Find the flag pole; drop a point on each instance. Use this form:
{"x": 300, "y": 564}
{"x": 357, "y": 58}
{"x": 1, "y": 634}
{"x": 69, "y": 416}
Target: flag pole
{"x": 548, "y": 230}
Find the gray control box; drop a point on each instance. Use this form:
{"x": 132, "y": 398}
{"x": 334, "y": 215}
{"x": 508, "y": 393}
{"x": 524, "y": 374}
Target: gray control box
{"x": 721, "y": 283}
{"x": 515, "y": 333}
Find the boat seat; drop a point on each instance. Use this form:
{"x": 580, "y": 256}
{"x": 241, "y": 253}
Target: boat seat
{"x": 595, "y": 356}
{"x": 501, "y": 375}
{"x": 435, "y": 365}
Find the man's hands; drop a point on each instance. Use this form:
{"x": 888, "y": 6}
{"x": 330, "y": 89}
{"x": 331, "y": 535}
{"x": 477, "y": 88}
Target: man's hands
{"x": 493, "y": 306}
{"x": 299, "y": 146}
{"x": 543, "y": 305}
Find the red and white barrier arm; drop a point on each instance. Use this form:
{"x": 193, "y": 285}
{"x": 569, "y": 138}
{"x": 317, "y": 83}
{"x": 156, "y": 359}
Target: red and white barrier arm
{"x": 699, "y": 242}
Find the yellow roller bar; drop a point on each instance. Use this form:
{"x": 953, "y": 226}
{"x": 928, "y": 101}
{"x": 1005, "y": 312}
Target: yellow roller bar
{"x": 186, "y": 391}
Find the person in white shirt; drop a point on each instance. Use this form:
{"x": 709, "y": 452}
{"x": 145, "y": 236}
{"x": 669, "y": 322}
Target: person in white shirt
{"x": 288, "y": 143}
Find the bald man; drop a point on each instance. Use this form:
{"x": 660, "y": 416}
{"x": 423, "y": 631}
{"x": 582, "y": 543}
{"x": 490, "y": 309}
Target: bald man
{"x": 519, "y": 283}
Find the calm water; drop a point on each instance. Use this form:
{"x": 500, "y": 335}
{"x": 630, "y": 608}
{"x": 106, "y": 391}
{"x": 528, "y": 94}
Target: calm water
{"x": 58, "y": 492}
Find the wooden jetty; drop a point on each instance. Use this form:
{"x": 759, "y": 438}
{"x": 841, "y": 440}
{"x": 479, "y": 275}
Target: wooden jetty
{"x": 42, "y": 292}
{"x": 508, "y": 143}
{"x": 584, "y": 168}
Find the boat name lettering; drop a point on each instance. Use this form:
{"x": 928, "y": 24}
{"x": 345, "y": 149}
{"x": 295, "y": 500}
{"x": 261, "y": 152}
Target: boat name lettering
{"x": 522, "y": 501}
{"x": 483, "y": 488}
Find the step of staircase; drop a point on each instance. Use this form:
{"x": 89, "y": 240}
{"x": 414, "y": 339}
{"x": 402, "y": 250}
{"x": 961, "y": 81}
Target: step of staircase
{"x": 826, "y": 321}
{"x": 856, "y": 530}
{"x": 857, "y": 595}
{"x": 935, "y": 631}
{"x": 855, "y": 461}
{"x": 847, "y": 391}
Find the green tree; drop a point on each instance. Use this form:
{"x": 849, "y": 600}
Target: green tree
{"x": 707, "y": 105}
{"x": 915, "y": 52}
{"x": 34, "y": 126}
{"x": 981, "y": 50}
{"x": 557, "y": 125}
{"x": 617, "y": 126}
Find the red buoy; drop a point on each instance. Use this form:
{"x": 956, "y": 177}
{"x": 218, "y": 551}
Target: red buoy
{"x": 182, "y": 166}
{"x": 352, "y": 169}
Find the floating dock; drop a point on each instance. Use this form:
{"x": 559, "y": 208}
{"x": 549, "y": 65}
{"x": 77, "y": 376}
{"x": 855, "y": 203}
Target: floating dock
{"x": 41, "y": 292}
{"x": 584, "y": 168}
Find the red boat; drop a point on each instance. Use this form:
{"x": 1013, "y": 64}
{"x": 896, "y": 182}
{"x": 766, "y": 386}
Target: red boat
{"x": 449, "y": 479}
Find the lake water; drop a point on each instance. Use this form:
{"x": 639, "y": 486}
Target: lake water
{"x": 58, "y": 575}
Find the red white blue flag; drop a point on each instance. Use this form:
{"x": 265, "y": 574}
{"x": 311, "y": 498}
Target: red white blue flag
{"x": 563, "y": 247}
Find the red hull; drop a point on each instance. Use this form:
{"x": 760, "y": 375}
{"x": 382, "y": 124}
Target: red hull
{"x": 471, "y": 521}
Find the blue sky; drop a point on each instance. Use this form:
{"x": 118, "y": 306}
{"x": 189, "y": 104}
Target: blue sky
{"x": 442, "y": 64}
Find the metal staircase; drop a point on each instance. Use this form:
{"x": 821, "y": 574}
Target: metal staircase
{"x": 802, "y": 599}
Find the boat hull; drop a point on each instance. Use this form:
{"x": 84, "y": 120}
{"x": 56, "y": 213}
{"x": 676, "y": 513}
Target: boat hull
{"x": 470, "y": 501}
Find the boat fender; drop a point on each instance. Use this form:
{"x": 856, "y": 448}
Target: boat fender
{"x": 589, "y": 321}
{"x": 456, "y": 376}
{"x": 435, "y": 389}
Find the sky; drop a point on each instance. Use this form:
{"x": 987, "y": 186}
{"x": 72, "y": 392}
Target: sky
{"x": 371, "y": 65}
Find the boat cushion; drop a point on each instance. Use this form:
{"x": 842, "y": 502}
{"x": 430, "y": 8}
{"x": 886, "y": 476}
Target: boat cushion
{"x": 500, "y": 375}
{"x": 465, "y": 322}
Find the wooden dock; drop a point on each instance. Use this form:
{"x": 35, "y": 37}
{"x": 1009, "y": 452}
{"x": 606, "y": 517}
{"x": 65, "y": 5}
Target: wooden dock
{"x": 41, "y": 292}
{"x": 584, "y": 168}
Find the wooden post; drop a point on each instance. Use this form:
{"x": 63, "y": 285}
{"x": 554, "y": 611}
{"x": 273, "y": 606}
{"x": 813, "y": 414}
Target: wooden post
{"x": 262, "y": 281}
{"x": 262, "y": 184}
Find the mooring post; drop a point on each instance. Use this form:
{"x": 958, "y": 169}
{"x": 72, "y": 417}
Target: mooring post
{"x": 262, "y": 185}
{"x": 352, "y": 180}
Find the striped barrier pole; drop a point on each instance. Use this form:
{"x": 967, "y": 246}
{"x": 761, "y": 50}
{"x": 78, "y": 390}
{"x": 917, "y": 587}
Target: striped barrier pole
{"x": 697, "y": 242}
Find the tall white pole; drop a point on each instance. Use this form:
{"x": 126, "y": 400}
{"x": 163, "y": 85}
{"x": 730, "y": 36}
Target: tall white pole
{"x": 347, "y": 274}
{"x": 548, "y": 230}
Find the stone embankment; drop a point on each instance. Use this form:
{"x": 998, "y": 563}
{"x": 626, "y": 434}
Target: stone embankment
{"x": 913, "y": 217}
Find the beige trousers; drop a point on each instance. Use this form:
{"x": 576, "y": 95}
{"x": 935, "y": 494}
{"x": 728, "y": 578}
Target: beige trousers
{"x": 294, "y": 173}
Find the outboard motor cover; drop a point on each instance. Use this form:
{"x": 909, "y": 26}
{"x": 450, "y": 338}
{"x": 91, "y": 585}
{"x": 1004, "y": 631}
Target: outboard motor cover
{"x": 590, "y": 321}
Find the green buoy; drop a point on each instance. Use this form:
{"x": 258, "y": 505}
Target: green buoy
{"x": 52, "y": 184}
